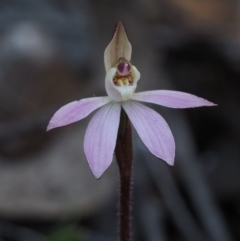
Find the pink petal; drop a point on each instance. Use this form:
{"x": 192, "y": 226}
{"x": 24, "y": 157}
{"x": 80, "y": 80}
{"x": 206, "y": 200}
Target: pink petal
{"x": 100, "y": 138}
{"x": 75, "y": 111}
{"x": 172, "y": 99}
{"x": 152, "y": 129}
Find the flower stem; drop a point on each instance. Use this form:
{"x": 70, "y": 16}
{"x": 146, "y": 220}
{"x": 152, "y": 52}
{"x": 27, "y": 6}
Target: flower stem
{"x": 123, "y": 153}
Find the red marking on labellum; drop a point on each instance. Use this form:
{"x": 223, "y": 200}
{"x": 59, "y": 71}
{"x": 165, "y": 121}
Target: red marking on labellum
{"x": 123, "y": 68}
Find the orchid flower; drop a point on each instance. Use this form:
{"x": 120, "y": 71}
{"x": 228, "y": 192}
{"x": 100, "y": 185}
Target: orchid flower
{"x": 120, "y": 83}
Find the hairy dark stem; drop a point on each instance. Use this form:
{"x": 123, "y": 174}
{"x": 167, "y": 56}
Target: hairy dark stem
{"x": 123, "y": 153}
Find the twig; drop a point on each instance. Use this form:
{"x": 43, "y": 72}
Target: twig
{"x": 172, "y": 198}
{"x": 195, "y": 183}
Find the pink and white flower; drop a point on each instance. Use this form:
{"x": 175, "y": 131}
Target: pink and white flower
{"x": 121, "y": 82}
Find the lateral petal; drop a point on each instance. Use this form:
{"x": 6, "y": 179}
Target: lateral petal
{"x": 100, "y": 138}
{"x": 172, "y": 99}
{"x": 75, "y": 111}
{"x": 152, "y": 129}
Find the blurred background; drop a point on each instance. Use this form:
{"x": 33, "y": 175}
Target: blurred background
{"x": 51, "y": 53}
